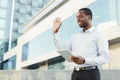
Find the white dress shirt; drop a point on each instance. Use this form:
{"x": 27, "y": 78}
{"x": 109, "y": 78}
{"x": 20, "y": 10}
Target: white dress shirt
{"x": 91, "y": 44}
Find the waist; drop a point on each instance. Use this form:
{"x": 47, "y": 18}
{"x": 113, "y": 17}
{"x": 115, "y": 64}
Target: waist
{"x": 85, "y": 68}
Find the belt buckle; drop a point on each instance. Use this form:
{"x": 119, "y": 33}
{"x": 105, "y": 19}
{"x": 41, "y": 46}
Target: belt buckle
{"x": 77, "y": 69}
{"x": 82, "y": 68}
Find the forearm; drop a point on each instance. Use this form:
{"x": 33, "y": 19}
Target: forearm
{"x": 98, "y": 60}
{"x": 59, "y": 44}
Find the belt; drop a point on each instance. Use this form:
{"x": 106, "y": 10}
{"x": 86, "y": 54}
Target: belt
{"x": 85, "y": 68}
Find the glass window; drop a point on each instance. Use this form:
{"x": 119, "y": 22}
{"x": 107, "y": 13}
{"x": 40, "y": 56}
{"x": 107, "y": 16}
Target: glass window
{"x": 3, "y": 47}
{"x": 17, "y": 6}
{"x": 1, "y": 34}
{"x": 118, "y": 11}
{"x": 1, "y": 42}
{"x": 26, "y": 9}
{"x": 25, "y": 51}
{"x": 68, "y": 28}
{"x": 15, "y": 26}
{"x": 56, "y": 63}
{"x": 27, "y": 17}
{"x": 45, "y": 2}
{"x": 16, "y": 16}
{"x": 26, "y": 1}
{"x": 104, "y": 13}
{"x": 3, "y": 3}
{"x": 10, "y": 64}
{"x": 34, "y": 10}
{"x": 45, "y": 42}
{"x": 2, "y": 23}
{"x": 35, "y": 3}
{"x": 22, "y": 18}
{"x": 41, "y": 3}
{"x": 42, "y": 44}
{"x": 22, "y": 8}
{"x": 2, "y": 13}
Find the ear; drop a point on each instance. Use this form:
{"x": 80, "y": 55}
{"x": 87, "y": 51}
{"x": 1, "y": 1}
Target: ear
{"x": 89, "y": 17}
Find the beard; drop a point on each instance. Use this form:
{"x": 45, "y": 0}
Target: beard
{"x": 85, "y": 24}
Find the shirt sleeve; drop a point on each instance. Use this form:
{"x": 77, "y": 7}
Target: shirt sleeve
{"x": 61, "y": 45}
{"x": 103, "y": 52}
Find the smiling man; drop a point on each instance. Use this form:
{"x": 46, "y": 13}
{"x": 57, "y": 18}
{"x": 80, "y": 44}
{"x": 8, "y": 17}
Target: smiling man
{"x": 89, "y": 47}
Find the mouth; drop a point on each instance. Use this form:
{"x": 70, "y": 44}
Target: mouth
{"x": 80, "y": 23}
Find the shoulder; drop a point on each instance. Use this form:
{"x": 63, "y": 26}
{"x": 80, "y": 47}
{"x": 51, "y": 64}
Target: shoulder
{"x": 100, "y": 34}
{"x": 75, "y": 36}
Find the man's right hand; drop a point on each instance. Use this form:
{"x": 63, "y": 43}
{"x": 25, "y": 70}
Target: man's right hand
{"x": 57, "y": 23}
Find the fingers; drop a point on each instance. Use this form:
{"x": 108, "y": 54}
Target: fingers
{"x": 56, "y": 25}
{"x": 78, "y": 59}
{"x": 72, "y": 58}
{"x": 57, "y": 20}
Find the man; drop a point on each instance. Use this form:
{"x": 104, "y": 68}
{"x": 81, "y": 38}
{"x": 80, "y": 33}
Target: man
{"x": 89, "y": 47}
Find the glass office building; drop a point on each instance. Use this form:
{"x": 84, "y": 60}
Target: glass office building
{"x": 32, "y": 36}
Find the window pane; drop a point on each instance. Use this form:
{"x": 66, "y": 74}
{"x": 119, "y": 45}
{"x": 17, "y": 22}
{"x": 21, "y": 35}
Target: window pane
{"x": 2, "y": 13}
{"x": 3, "y": 3}
{"x": 1, "y": 42}
{"x": 2, "y": 23}
{"x": 1, "y": 34}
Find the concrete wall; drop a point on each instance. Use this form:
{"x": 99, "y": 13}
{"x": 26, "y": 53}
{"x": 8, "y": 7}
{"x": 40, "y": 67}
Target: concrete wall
{"x": 115, "y": 56}
{"x": 52, "y": 75}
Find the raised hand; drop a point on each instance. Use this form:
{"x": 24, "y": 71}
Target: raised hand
{"x": 56, "y": 25}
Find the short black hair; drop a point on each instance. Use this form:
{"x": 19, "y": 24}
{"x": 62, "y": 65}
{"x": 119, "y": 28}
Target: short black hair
{"x": 87, "y": 11}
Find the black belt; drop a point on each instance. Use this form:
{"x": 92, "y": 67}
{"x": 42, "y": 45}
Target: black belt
{"x": 85, "y": 68}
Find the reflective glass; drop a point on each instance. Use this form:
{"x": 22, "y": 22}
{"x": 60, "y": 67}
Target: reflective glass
{"x": 2, "y": 23}
{"x": 1, "y": 42}
{"x": 45, "y": 42}
{"x": 17, "y": 6}
{"x": 56, "y": 63}
{"x": 104, "y": 12}
{"x": 2, "y": 12}
{"x": 40, "y": 3}
{"x": 22, "y": 18}
{"x": 26, "y": 1}
{"x": 16, "y": 16}
{"x": 3, "y": 3}
{"x": 10, "y": 64}
{"x": 26, "y": 9}
{"x": 42, "y": 44}
{"x": 1, "y": 34}
{"x": 25, "y": 51}
{"x": 22, "y": 8}
{"x": 35, "y": 3}
{"x": 45, "y": 2}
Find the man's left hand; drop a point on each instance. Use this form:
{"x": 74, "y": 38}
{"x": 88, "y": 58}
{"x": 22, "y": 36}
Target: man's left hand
{"x": 78, "y": 59}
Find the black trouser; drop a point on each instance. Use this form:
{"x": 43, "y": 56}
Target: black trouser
{"x": 93, "y": 74}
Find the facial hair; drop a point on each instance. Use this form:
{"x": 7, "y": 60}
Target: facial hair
{"x": 85, "y": 24}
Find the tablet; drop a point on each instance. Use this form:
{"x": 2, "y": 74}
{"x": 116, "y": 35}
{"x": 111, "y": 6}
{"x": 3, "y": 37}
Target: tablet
{"x": 65, "y": 53}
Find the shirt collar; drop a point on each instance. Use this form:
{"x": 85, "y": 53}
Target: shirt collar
{"x": 89, "y": 30}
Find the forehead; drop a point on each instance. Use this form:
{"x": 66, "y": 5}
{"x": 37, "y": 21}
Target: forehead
{"x": 80, "y": 13}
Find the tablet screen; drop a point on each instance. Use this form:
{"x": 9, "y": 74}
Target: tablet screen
{"x": 66, "y": 54}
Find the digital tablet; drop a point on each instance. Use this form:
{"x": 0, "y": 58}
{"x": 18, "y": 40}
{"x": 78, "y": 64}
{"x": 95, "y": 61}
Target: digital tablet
{"x": 66, "y": 54}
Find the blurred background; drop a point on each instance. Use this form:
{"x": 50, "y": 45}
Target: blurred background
{"x": 26, "y": 38}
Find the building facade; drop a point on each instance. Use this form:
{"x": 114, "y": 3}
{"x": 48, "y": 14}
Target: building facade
{"x": 32, "y": 46}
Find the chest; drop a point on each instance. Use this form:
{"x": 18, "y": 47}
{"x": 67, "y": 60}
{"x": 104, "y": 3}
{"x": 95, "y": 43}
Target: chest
{"x": 84, "y": 40}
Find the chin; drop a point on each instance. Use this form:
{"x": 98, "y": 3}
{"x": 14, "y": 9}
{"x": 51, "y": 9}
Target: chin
{"x": 81, "y": 26}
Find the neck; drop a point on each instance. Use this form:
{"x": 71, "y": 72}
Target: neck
{"x": 87, "y": 27}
